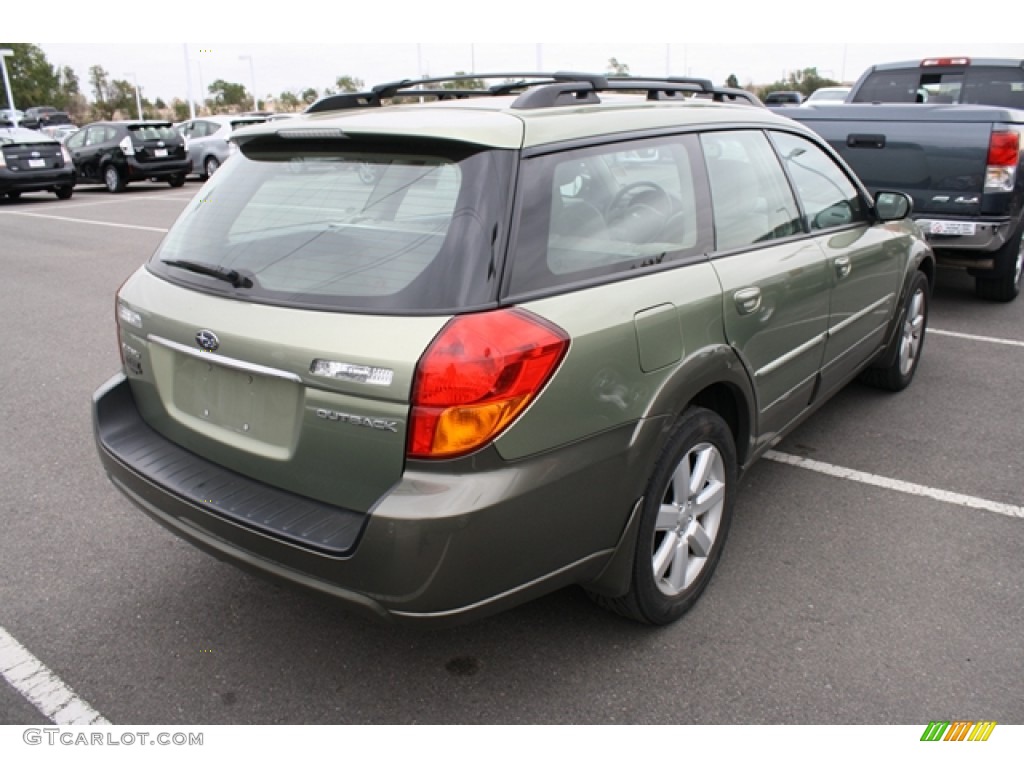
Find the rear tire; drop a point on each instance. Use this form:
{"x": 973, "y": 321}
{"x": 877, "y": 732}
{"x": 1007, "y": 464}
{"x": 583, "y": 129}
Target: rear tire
{"x": 210, "y": 166}
{"x": 113, "y": 180}
{"x": 904, "y": 352}
{"x": 64, "y": 193}
{"x": 178, "y": 180}
{"x": 13, "y": 195}
{"x": 684, "y": 522}
{"x": 1004, "y": 284}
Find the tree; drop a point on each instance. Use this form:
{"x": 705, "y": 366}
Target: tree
{"x": 732, "y": 82}
{"x": 289, "y": 101}
{"x": 111, "y": 96}
{"x": 616, "y": 68}
{"x": 806, "y": 81}
{"x": 464, "y": 84}
{"x": 34, "y": 82}
{"x": 349, "y": 84}
{"x": 227, "y": 94}
{"x": 309, "y": 96}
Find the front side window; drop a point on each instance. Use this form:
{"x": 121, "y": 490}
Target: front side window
{"x": 829, "y": 198}
{"x": 751, "y": 198}
{"x": 606, "y": 210}
{"x": 300, "y": 227}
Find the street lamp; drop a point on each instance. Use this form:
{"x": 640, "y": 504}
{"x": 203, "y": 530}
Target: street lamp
{"x": 252, "y": 80}
{"x": 4, "y": 53}
{"x": 138, "y": 99}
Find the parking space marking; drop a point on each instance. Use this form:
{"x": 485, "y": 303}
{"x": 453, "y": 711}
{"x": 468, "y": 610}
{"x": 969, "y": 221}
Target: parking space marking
{"x": 972, "y": 337}
{"x": 122, "y": 201}
{"x": 33, "y": 680}
{"x": 85, "y": 221}
{"x": 891, "y": 484}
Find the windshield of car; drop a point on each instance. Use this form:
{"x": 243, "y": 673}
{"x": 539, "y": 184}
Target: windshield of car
{"x": 362, "y": 229}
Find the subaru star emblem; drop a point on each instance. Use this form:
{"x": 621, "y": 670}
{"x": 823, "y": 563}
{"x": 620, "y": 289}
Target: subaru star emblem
{"x": 35, "y": 154}
{"x": 207, "y": 340}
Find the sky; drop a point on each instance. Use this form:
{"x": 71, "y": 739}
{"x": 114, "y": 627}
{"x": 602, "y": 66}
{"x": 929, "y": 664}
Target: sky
{"x": 316, "y": 42}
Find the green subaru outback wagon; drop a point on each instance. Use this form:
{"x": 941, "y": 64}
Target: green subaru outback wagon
{"x": 536, "y": 350}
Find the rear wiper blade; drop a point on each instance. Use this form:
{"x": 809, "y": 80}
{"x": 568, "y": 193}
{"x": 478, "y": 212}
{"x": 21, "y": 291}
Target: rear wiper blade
{"x": 233, "y": 276}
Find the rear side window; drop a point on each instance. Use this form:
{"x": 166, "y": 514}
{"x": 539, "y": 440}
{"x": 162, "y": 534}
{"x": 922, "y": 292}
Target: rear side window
{"x": 420, "y": 234}
{"x": 606, "y": 210}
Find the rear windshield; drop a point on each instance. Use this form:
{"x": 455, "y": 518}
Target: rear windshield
{"x": 154, "y": 133}
{"x": 996, "y": 86}
{"x": 23, "y": 136}
{"x": 410, "y": 231}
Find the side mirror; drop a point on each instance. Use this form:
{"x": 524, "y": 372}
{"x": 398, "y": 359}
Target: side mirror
{"x": 893, "y": 206}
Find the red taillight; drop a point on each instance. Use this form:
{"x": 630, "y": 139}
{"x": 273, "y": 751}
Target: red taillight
{"x": 477, "y": 376}
{"x": 1004, "y": 148}
{"x": 956, "y": 61}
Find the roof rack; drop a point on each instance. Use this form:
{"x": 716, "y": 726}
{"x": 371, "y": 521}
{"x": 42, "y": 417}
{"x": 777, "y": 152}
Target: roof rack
{"x": 537, "y": 90}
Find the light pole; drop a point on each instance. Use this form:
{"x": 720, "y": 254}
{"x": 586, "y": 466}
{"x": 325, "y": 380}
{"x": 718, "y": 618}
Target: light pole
{"x": 252, "y": 79}
{"x": 138, "y": 99}
{"x": 4, "y": 53}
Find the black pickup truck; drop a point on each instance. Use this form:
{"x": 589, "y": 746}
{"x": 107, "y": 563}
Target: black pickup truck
{"x": 948, "y": 133}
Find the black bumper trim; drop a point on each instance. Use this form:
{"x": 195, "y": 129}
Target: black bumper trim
{"x": 125, "y": 437}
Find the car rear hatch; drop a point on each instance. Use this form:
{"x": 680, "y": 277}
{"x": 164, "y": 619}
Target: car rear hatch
{"x": 276, "y": 331}
{"x": 25, "y": 151}
{"x": 154, "y": 143}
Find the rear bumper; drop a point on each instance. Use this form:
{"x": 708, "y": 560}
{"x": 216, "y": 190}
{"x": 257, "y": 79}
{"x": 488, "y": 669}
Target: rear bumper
{"x": 36, "y": 180}
{"x": 442, "y": 546}
{"x": 160, "y": 170}
{"x": 974, "y": 251}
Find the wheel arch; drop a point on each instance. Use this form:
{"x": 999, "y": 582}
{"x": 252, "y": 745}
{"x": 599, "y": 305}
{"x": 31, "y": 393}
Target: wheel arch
{"x": 716, "y": 379}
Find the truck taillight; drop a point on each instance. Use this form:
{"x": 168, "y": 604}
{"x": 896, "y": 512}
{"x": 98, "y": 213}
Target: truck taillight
{"x": 477, "y": 376}
{"x": 1003, "y": 157}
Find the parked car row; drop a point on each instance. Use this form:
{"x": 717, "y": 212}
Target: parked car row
{"x": 46, "y": 152}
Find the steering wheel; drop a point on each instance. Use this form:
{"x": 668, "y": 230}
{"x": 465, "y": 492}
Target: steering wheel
{"x": 639, "y": 212}
{"x": 645, "y": 195}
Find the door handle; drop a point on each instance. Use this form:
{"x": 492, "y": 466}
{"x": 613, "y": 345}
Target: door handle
{"x": 843, "y": 266}
{"x": 748, "y": 300}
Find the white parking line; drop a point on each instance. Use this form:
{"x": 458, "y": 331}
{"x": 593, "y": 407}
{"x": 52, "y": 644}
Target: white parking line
{"x": 971, "y": 337}
{"x": 1010, "y": 510}
{"x": 122, "y": 200}
{"x": 84, "y": 221}
{"x": 31, "y": 678}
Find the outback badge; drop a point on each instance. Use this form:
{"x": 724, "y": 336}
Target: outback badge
{"x": 207, "y": 340}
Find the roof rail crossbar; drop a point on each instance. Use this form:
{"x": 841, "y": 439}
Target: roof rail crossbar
{"x": 538, "y": 89}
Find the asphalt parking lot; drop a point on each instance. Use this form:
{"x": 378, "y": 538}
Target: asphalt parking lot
{"x": 879, "y": 582}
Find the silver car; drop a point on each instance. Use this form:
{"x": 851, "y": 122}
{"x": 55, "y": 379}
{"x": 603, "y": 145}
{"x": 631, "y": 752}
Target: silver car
{"x": 209, "y": 140}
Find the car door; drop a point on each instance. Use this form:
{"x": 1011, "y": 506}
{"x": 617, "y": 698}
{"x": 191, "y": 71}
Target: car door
{"x": 864, "y": 266}
{"x": 87, "y": 149}
{"x": 775, "y": 284}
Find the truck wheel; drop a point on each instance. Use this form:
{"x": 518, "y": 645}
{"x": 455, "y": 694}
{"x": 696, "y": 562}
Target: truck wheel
{"x": 684, "y": 521}
{"x": 1009, "y": 263}
{"x": 177, "y": 180}
{"x": 904, "y": 353}
{"x": 64, "y": 193}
